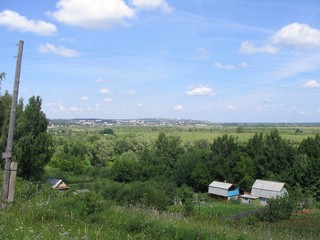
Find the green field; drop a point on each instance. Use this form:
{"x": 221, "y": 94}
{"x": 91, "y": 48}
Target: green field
{"x": 294, "y": 133}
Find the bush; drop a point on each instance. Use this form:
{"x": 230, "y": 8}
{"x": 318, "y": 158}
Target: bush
{"x": 279, "y": 208}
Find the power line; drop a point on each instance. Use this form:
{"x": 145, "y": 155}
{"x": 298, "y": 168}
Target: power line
{"x": 179, "y": 75}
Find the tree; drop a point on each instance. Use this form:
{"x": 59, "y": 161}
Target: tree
{"x": 2, "y": 76}
{"x": 167, "y": 152}
{"x": 225, "y": 155}
{"x": 32, "y": 144}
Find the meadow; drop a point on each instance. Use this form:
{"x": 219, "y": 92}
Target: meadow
{"x": 191, "y": 133}
{"x": 141, "y": 207}
{"x": 40, "y": 212}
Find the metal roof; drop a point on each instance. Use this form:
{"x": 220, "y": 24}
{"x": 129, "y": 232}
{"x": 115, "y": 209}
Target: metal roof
{"x": 221, "y": 185}
{"x": 268, "y": 185}
{"x": 249, "y": 196}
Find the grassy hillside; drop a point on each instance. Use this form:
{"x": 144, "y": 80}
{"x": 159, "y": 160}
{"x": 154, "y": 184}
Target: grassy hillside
{"x": 42, "y": 213}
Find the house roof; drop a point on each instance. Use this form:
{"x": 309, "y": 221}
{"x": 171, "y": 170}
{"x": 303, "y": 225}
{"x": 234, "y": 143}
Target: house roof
{"x": 249, "y": 196}
{"x": 221, "y": 185}
{"x": 55, "y": 183}
{"x": 268, "y": 185}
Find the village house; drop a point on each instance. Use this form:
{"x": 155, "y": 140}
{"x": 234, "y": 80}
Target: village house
{"x": 58, "y": 184}
{"x": 223, "y": 190}
{"x": 265, "y": 190}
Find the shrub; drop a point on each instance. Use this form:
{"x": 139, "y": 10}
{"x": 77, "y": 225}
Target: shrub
{"x": 279, "y": 208}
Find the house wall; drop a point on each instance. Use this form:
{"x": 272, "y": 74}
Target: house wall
{"x": 251, "y": 201}
{"x": 218, "y": 191}
{"x": 233, "y": 192}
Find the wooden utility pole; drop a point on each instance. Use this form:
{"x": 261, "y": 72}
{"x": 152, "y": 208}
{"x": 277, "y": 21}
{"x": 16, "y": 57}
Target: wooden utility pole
{"x": 7, "y": 189}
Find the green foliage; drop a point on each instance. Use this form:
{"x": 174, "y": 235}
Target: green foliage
{"x": 279, "y": 208}
{"x": 32, "y": 147}
{"x": 106, "y": 131}
{"x": 188, "y": 209}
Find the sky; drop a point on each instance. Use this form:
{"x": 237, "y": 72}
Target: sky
{"x": 213, "y": 60}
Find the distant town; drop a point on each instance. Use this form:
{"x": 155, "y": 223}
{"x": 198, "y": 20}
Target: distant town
{"x": 96, "y": 122}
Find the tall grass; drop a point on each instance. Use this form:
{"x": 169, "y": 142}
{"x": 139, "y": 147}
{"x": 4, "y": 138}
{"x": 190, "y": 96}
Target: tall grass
{"x": 40, "y": 212}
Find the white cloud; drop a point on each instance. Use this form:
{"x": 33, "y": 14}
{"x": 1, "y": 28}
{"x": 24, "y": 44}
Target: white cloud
{"x": 178, "y": 107}
{"x": 230, "y": 66}
{"x": 128, "y": 92}
{"x": 202, "y": 53}
{"x": 92, "y": 13}
{"x": 311, "y": 84}
{"x": 152, "y": 5}
{"x": 56, "y": 104}
{"x": 231, "y": 107}
{"x": 96, "y": 107}
{"x": 248, "y": 47}
{"x": 85, "y": 98}
{"x": 243, "y": 64}
{"x": 298, "y": 36}
{"x": 200, "y": 91}
{"x": 108, "y": 100}
{"x": 58, "y": 50}
{"x": 14, "y": 21}
{"x": 99, "y": 80}
{"x": 74, "y": 109}
{"x": 104, "y": 91}
{"x": 224, "y": 66}
{"x": 139, "y": 104}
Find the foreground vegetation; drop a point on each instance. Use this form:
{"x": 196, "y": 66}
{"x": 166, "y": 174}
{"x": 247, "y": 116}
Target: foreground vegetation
{"x": 151, "y": 183}
{"x": 40, "y": 212}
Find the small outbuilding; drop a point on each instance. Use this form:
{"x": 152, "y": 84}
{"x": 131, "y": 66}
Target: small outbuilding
{"x": 224, "y": 190}
{"x": 266, "y": 190}
{"x": 249, "y": 199}
{"x": 58, "y": 184}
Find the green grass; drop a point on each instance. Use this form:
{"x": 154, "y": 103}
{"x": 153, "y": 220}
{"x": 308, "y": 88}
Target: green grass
{"x": 193, "y": 133}
{"x": 42, "y": 213}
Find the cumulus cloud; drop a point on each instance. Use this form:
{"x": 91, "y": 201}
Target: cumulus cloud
{"x": 200, "y": 91}
{"x": 178, "y": 107}
{"x": 311, "y": 84}
{"x": 58, "y": 50}
{"x": 14, "y": 21}
{"x": 230, "y": 66}
{"x": 92, "y": 13}
{"x": 56, "y": 104}
{"x": 224, "y": 66}
{"x": 152, "y": 5}
{"x": 85, "y": 98}
{"x": 104, "y": 90}
{"x": 248, "y": 47}
{"x": 298, "y": 36}
{"x": 74, "y": 109}
{"x": 231, "y": 107}
{"x": 108, "y": 100}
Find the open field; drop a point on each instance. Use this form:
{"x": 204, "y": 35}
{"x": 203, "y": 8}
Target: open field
{"x": 295, "y": 133}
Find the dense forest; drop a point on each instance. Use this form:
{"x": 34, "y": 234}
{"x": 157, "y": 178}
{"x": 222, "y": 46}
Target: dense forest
{"x": 132, "y": 158}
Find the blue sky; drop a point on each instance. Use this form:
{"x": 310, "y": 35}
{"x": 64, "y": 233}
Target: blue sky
{"x": 222, "y": 61}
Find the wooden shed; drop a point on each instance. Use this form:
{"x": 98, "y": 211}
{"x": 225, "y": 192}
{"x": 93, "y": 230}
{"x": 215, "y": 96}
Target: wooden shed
{"x": 266, "y": 190}
{"x": 58, "y": 184}
{"x": 224, "y": 190}
{"x": 249, "y": 199}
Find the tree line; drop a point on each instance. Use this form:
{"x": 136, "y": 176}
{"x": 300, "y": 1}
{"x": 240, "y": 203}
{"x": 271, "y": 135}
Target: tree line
{"x": 133, "y": 158}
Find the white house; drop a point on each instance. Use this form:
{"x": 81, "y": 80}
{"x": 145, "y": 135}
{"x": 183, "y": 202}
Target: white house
{"x": 266, "y": 190}
{"x": 224, "y": 190}
{"x": 57, "y": 184}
